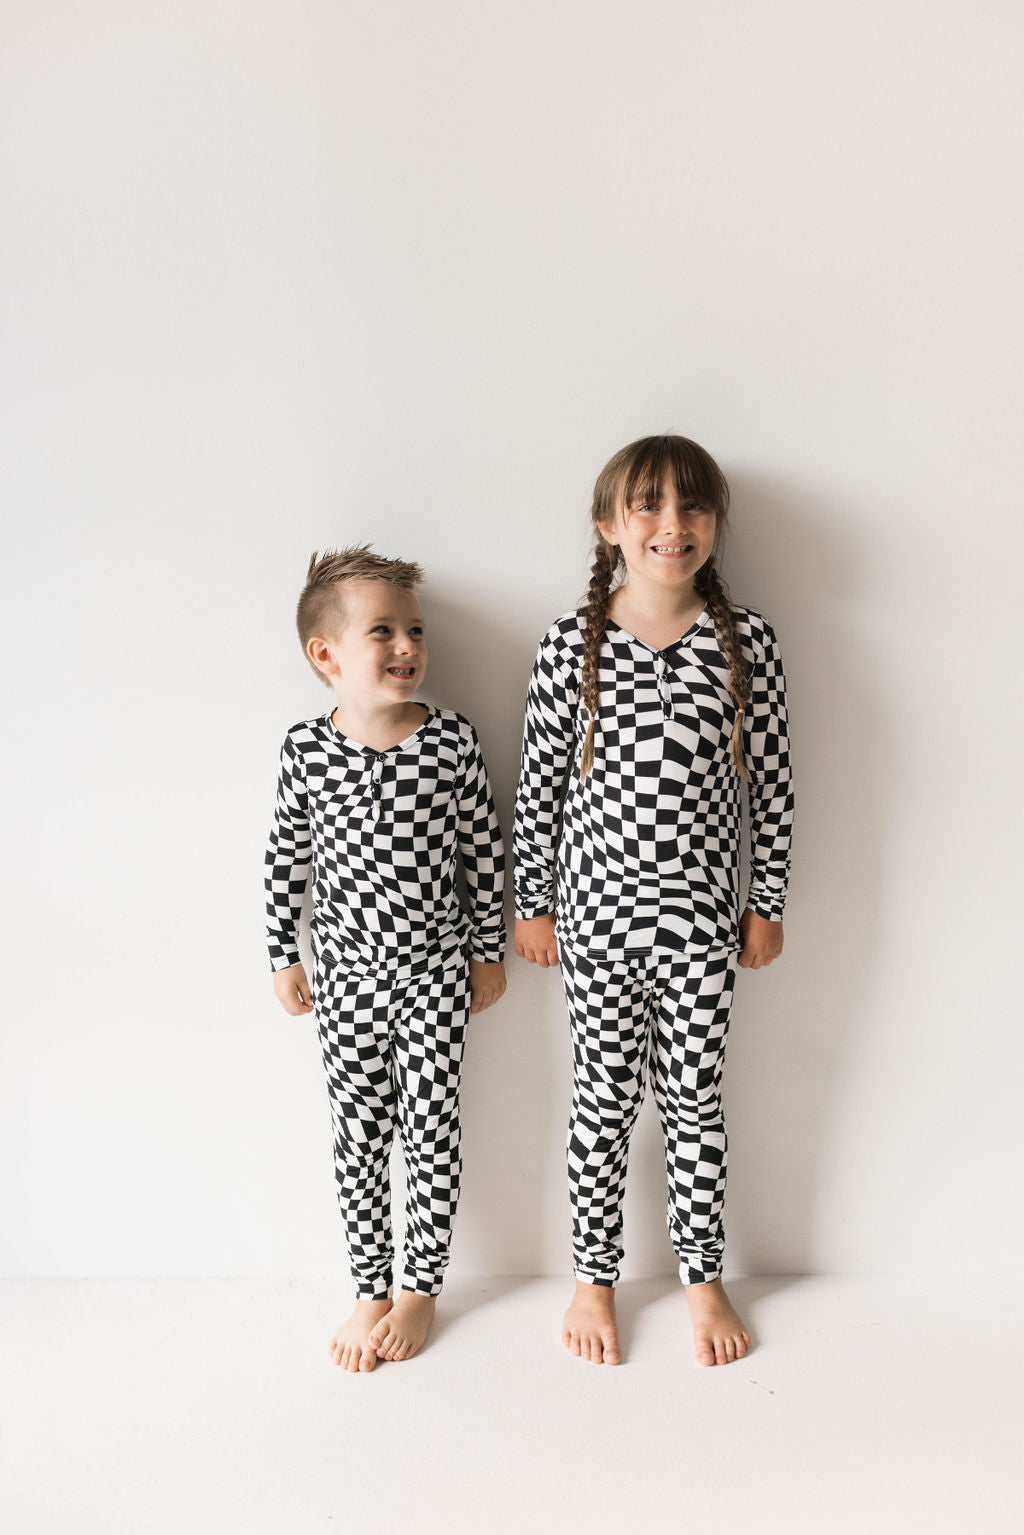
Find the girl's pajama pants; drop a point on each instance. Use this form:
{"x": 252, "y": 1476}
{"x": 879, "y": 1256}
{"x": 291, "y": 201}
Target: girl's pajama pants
{"x": 674, "y": 1014}
{"x": 393, "y": 1052}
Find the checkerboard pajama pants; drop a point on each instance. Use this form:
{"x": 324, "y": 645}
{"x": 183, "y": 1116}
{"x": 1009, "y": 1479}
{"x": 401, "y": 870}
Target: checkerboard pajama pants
{"x": 626, "y": 1014}
{"x": 393, "y": 1053}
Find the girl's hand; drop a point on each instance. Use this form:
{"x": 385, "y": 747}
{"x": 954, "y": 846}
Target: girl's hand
{"x": 486, "y": 984}
{"x": 292, "y": 990}
{"x": 762, "y": 940}
{"x": 535, "y": 940}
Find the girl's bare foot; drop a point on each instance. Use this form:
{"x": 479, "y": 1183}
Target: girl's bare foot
{"x": 719, "y": 1336}
{"x": 351, "y": 1347}
{"x": 403, "y": 1331}
{"x": 588, "y": 1328}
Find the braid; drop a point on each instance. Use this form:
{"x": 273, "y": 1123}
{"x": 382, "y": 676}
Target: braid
{"x": 595, "y": 624}
{"x": 709, "y": 584}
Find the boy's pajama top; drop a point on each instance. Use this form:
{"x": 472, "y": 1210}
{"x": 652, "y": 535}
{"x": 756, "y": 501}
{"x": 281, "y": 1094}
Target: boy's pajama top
{"x": 641, "y": 866}
{"x": 381, "y": 832}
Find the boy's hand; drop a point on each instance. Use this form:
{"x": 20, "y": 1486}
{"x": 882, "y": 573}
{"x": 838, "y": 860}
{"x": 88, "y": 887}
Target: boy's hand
{"x": 486, "y": 983}
{"x": 535, "y": 940}
{"x": 762, "y": 940}
{"x": 292, "y": 990}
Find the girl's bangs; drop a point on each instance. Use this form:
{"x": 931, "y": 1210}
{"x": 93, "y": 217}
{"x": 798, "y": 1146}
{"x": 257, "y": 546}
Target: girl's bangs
{"x": 696, "y": 475}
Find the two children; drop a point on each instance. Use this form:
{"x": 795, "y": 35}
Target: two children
{"x": 659, "y": 697}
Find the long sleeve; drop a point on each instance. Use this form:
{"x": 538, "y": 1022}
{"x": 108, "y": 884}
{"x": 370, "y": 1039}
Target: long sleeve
{"x": 483, "y": 856}
{"x": 766, "y": 751}
{"x": 551, "y": 704}
{"x": 286, "y": 865}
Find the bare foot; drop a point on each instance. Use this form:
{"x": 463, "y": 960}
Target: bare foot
{"x": 719, "y": 1336}
{"x": 403, "y": 1331}
{"x": 588, "y": 1328}
{"x": 350, "y": 1347}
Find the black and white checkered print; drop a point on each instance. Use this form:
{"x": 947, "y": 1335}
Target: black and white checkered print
{"x": 382, "y": 830}
{"x": 393, "y": 1053}
{"x": 644, "y": 856}
{"x": 674, "y": 1014}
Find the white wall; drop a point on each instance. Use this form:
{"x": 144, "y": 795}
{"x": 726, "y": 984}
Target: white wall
{"x": 283, "y": 276}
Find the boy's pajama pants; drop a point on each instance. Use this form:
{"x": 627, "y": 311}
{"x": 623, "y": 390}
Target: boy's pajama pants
{"x": 393, "y": 1052}
{"x": 674, "y": 1014}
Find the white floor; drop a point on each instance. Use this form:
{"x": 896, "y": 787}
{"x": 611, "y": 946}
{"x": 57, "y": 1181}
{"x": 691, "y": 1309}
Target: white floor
{"x": 210, "y": 1405}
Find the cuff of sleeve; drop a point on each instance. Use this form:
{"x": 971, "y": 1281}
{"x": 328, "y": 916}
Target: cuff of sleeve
{"x": 285, "y": 960}
{"x": 528, "y": 906}
{"x": 488, "y": 954}
{"x": 769, "y": 907}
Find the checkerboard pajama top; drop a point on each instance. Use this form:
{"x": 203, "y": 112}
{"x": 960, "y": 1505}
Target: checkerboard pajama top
{"x": 645, "y": 853}
{"x": 381, "y": 830}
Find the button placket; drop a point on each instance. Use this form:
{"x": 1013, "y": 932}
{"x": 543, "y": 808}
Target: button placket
{"x": 664, "y": 685}
{"x": 376, "y": 774}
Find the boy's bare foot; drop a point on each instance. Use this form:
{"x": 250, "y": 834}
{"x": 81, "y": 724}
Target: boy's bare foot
{"x": 403, "y": 1331}
{"x": 351, "y": 1347}
{"x": 588, "y": 1328}
{"x": 719, "y": 1336}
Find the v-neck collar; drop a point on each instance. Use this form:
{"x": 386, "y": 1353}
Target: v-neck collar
{"x": 360, "y": 746}
{"x": 697, "y": 624}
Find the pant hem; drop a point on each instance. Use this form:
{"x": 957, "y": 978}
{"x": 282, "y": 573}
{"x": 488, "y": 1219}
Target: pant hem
{"x": 693, "y": 1276}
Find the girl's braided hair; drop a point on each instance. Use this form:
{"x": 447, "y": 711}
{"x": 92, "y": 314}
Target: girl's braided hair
{"x": 634, "y": 475}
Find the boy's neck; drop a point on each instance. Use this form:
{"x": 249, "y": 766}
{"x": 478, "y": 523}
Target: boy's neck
{"x": 378, "y": 726}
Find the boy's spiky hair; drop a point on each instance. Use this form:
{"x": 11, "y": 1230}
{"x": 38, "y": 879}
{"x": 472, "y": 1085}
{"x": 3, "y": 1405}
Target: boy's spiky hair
{"x": 321, "y": 607}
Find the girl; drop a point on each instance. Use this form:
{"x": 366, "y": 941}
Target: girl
{"x": 666, "y": 697}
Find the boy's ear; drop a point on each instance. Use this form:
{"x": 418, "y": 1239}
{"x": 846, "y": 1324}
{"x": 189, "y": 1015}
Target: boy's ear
{"x": 319, "y": 652}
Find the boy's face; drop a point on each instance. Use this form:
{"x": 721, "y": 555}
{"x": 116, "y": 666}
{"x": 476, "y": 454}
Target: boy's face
{"x": 378, "y": 654}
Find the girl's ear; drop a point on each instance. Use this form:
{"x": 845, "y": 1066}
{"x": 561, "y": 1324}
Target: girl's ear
{"x": 609, "y": 532}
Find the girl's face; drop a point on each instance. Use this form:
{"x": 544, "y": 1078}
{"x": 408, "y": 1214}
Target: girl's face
{"x": 667, "y": 540}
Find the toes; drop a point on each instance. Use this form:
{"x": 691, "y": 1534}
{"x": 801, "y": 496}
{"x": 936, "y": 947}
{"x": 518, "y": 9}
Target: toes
{"x": 596, "y": 1351}
{"x": 387, "y": 1341}
{"x": 367, "y": 1359}
{"x": 705, "y": 1352}
{"x": 611, "y": 1354}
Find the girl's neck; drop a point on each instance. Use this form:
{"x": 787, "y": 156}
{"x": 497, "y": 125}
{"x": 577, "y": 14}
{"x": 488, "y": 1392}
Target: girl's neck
{"x": 637, "y": 601}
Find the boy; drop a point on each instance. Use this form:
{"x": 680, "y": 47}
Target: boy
{"x": 379, "y": 794}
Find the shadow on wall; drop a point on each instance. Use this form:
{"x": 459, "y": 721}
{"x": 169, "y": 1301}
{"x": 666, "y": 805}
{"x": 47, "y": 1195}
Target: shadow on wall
{"x": 793, "y": 558}
{"x": 515, "y": 1097}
